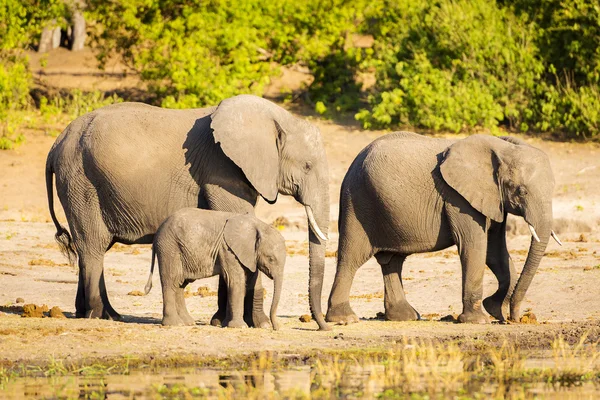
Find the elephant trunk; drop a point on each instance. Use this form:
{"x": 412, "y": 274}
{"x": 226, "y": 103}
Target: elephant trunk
{"x": 320, "y": 216}
{"x": 277, "y": 285}
{"x": 539, "y": 240}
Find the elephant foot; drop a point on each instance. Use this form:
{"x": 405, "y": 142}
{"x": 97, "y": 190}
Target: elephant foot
{"x": 494, "y": 308}
{"x": 473, "y": 317}
{"x": 401, "y": 312}
{"x": 187, "y": 319}
{"x": 171, "y": 320}
{"x": 236, "y": 323}
{"x": 341, "y": 313}
{"x": 218, "y": 318}
{"x": 80, "y": 311}
{"x": 101, "y": 312}
{"x": 260, "y": 320}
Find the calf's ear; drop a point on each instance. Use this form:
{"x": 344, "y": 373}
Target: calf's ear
{"x": 241, "y": 235}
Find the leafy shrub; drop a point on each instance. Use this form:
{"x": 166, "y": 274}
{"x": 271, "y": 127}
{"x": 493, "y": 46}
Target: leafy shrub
{"x": 20, "y": 22}
{"x": 451, "y": 65}
{"x": 65, "y": 107}
{"x": 198, "y": 53}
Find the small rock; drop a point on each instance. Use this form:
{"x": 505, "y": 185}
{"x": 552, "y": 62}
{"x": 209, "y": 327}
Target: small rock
{"x": 449, "y": 318}
{"x": 135, "y": 293}
{"x": 56, "y": 312}
{"x": 339, "y": 336}
{"x": 34, "y": 311}
{"x": 528, "y": 318}
{"x": 20, "y": 300}
{"x": 305, "y": 318}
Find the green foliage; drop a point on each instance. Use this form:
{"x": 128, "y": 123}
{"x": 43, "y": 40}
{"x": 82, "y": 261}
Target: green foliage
{"x": 568, "y": 37}
{"x": 198, "y": 53}
{"x": 20, "y": 22}
{"x": 450, "y": 65}
{"x": 61, "y": 109}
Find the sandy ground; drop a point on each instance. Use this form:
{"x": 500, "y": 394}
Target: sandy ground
{"x": 565, "y": 292}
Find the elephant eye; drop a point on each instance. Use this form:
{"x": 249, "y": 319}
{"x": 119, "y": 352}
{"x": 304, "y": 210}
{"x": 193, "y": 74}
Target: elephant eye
{"x": 522, "y": 191}
{"x": 307, "y": 166}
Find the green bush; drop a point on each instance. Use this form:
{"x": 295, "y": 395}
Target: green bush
{"x": 20, "y": 22}
{"x": 63, "y": 108}
{"x": 450, "y": 65}
{"x": 197, "y": 53}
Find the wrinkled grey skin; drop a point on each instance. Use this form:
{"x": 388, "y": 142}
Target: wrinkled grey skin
{"x": 194, "y": 244}
{"x": 406, "y": 193}
{"x": 123, "y": 169}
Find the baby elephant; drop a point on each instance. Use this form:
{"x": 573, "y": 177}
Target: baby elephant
{"x": 194, "y": 244}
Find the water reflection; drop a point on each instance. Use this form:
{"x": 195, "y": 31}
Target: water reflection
{"x": 353, "y": 381}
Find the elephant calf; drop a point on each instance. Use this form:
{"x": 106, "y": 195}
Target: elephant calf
{"x": 194, "y": 244}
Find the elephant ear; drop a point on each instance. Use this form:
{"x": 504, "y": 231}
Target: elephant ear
{"x": 470, "y": 166}
{"x": 241, "y": 235}
{"x": 247, "y": 129}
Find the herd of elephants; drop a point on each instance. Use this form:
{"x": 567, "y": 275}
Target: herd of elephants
{"x": 188, "y": 181}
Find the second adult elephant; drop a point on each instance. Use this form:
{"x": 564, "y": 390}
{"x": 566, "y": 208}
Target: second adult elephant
{"x": 123, "y": 169}
{"x": 406, "y": 193}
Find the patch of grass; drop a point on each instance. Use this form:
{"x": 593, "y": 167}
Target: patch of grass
{"x": 10, "y": 235}
{"x": 368, "y": 296}
{"x": 47, "y": 263}
{"x": 408, "y": 368}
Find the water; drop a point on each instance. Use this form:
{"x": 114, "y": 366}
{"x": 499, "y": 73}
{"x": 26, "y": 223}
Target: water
{"x": 351, "y": 381}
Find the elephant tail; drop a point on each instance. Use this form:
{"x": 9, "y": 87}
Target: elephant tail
{"x": 149, "y": 283}
{"x": 62, "y": 236}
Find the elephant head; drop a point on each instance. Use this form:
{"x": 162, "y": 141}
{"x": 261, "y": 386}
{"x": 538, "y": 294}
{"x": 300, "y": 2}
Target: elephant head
{"x": 280, "y": 153}
{"x": 258, "y": 245}
{"x": 506, "y": 175}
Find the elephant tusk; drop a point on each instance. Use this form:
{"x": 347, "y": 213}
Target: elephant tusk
{"x": 556, "y": 238}
{"x": 533, "y": 233}
{"x": 313, "y": 224}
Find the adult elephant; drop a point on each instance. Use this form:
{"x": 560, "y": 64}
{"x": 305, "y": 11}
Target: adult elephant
{"x": 123, "y": 169}
{"x": 406, "y": 193}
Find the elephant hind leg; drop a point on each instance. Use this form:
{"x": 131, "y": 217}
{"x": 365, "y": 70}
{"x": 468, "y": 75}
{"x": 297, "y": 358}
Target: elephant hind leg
{"x": 354, "y": 249}
{"x": 397, "y": 307}
{"x": 182, "y": 310}
{"x": 92, "y": 297}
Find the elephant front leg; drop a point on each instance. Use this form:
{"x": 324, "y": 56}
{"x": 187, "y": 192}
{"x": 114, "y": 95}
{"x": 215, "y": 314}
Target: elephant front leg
{"x": 498, "y": 260}
{"x": 219, "y": 318}
{"x": 241, "y": 200}
{"x": 171, "y": 295}
{"x": 182, "y": 310}
{"x": 236, "y": 290}
{"x": 254, "y": 314}
{"x": 397, "y": 307}
{"x": 472, "y": 259}
{"x": 469, "y": 232}
{"x": 339, "y": 309}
